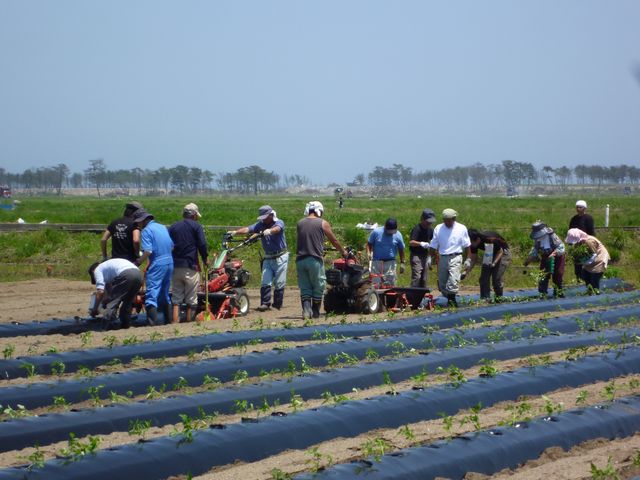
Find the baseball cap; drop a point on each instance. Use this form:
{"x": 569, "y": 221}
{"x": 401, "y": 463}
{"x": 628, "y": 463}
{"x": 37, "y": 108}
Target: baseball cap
{"x": 391, "y": 225}
{"x": 133, "y": 206}
{"x": 429, "y": 215}
{"x": 191, "y": 209}
{"x": 264, "y": 211}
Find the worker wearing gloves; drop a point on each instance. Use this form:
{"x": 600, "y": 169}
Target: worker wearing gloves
{"x": 582, "y": 221}
{"x": 384, "y": 244}
{"x": 117, "y": 282}
{"x": 125, "y": 237}
{"x": 276, "y": 256}
{"x": 450, "y": 241}
{"x": 419, "y": 240}
{"x": 549, "y": 249}
{"x": 594, "y": 266}
{"x": 495, "y": 260}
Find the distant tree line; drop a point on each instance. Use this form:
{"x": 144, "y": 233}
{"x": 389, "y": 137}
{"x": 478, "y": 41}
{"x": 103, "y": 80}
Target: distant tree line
{"x": 508, "y": 173}
{"x": 179, "y": 179}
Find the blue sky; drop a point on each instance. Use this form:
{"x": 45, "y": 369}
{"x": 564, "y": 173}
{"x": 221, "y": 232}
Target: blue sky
{"x": 324, "y": 89}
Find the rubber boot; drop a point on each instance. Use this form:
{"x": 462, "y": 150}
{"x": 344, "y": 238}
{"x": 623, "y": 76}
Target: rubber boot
{"x": 315, "y": 307}
{"x": 306, "y": 308}
{"x": 265, "y": 298}
{"x": 152, "y": 315}
{"x": 278, "y": 298}
{"x": 452, "y": 302}
{"x": 167, "y": 311}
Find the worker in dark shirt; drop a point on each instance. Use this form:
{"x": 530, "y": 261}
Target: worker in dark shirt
{"x": 125, "y": 236}
{"x": 188, "y": 240}
{"x": 495, "y": 260}
{"x": 582, "y": 221}
{"x": 419, "y": 240}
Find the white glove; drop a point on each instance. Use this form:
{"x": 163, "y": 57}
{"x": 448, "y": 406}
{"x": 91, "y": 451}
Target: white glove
{"x": 467, "y": 264}
{"x": 591, "y": 259}
{"x": 402, "y": 267}
{"x": 429, "y": 262}
{"x": 266, "y": 232}
{"x": 424, "y": 245}
{"x": 231, "y": 232}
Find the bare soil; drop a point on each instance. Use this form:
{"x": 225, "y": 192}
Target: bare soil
{"x": 54, "y": 298}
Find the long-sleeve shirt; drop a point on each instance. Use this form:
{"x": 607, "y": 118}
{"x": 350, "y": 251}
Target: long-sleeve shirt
{"x": 188, "y": 240}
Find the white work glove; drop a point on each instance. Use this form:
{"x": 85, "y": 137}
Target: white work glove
{"x": 231, "y": 232}
{"x": 402, "y": 267}
{"x": 429, "y": 262}
{"x": 266, "y": 232}
{"x": 591, "y": 259}
{"x": 467, "y": 264}
{"x": 424, "y": 245}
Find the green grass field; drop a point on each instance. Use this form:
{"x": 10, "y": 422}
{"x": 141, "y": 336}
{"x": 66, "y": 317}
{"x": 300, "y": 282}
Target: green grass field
{"x": 26, "y": 255}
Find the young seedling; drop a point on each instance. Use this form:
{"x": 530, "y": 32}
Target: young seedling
{"x": 447, "y": 422}
{"x": 211, "y": 383}
{"x": 375, "y": 448}
{"x": 277, "y": 474}
{"x": 240, "y": 376}
{"x": 57, "y": 368}
{"x": 371, "y": 355}
{"x": 139, "y": 428}
{"x": 117, "y": 398}
{"x": 318, "y": 461}
{"x": 581, "y": 398}
{"x": 606, "y": 473}
{"x": 35, "y": 459}
{"x": 60, "y": 401}
{"x": 8, "y": 351}
{"x": 111, "y": 341}
{"x": 296, "y": 401}
{"x": 76, "y": 449}
{"x": 456, "y": 376}
{"x": 407, "y": 433}
{"x": 488, "y": 368}
{"x": 181, "y": 384}
{"x": 94, "y": 393}
{"x": 30, "y": 368}
{"x": 550, "y": 407}
{"x": 610, "y": 391}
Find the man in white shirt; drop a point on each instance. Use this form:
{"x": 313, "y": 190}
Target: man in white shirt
{"x": 450, "y": 241}
{"x": 118, "y": 281}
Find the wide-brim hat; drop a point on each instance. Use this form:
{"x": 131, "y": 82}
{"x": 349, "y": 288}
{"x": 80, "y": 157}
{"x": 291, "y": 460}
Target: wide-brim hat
{"x": 264, "y": 211}
{"x": 141, "y": 215}
{"x": 539, "y": 229}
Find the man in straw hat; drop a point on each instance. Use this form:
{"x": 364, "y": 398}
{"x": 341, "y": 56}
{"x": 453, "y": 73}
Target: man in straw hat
{"x": 450, "y": 241}
{"x": 550, "y": 250}
{"x": 188, "y": 240}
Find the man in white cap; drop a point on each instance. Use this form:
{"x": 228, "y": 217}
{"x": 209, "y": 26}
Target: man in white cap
{"x": 450, "y": 241}
{"x": 276, "y": 256}
{"x": 311, "y": 231}
{"x": 583, "y": 221}
{"x": 188, "y": 240}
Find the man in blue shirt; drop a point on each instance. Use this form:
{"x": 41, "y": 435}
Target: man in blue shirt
{"x": 156, "y": 246}
{"x": 384, "y": 244}
{"x": 276, "y": 256}
{"x": 188, "y": 239}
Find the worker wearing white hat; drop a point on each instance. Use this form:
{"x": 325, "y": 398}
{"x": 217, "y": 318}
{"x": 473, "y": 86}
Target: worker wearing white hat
{"x": 583, "y": 221}
{"x": 450, "y": 240}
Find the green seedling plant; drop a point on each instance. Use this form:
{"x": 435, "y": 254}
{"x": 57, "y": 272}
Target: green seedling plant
{"x": 94, "y": 393}
{"x": 371, "y": 355}
{"x": 132, "y": 340}
{"x": 58, "y": 368}
{"x": 610, "y": 391}
{"x": 115, "y": 397}
{"x": 242, "y": 406}
{"x": 550, "y": 407}
{"x": 60, "y": 402}
{"x": 35, "y": 459}
{"x": 386, "y": 380}
{"x": 456, "y": 376}
{"x": 210, "y": 383}
{"x": 519, "y": 413}
{"x": 608, "y": 472}
{"x": 19, "y": 412}
{"x": 376, "y": 448}
{"x": 30, "y": 368}
{"x": 407, "y": 433}
{"x": 447, "y": 423}
{"x": 240, "y": 376}
{"x": 318, "y": 461}
{"x": 76, "y": 449}
{"x": 296, "y": 401}
{"x": 139, "y": 428}
{"x": 181, "y": 384}
{"x": 341, "y": 358}
{"x": 581, "y": 398}
{"x": 420, "y": 379}
{"x": 8, "y": 351}
{"x": 473, "y": 417}
{"x": 488, "y": 368}
{"x": 111, "y": 341}
{"x": 84, "y": 371}
{"x": 277, "y": 474}
{"x": 155, "y": 337}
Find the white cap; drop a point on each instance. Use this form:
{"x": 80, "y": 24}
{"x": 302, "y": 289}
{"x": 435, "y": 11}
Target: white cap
{"x": 581, "y": 203}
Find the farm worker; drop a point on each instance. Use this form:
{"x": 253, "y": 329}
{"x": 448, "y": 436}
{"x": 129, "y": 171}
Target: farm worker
{"x": 125, "y": 237}
{"x": 276, "y": 256}
{"x": 384, "y": 244}
{"x": 550, "y": 249}
{"x": 451, "y": 241}
{"x": 117, "y": 281}
{"x": 495, "y": 260}
{"x": 156, "y": 246}
{"x": 594, "y": 266}
{"x": 419, "y": 240}
{"x": 584, "y": 222}
{"x": 311, "y": 232}
{"x": 188, "y": 240}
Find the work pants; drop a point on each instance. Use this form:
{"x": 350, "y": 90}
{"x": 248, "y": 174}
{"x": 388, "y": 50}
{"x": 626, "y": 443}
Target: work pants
{"x": 489, "y": 275}
{"x": 274, "y": 272}
{"x": 449, "y": 270}
{"x": 122, "y": 291}
{"x": 419, "y": 269}
{"x": 384, "y": 272}
{"x": 311, "y": 278}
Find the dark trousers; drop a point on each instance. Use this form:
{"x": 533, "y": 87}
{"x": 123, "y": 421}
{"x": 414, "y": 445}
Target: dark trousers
{"x": 556, "y": 275}
{"x": 419, "y": 270}
{"x": 122, "y": 291}
{"x": 494, "y": 275}
{"x": 592, "y": 279}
